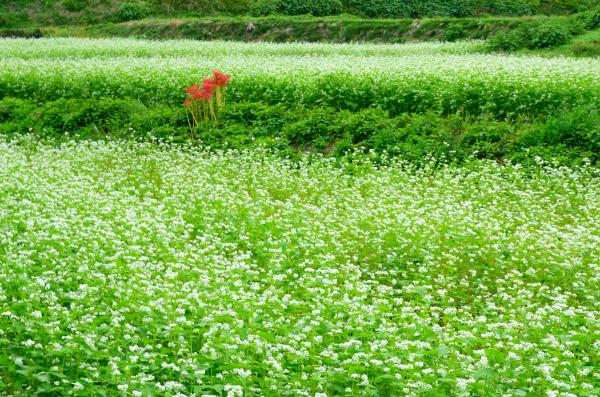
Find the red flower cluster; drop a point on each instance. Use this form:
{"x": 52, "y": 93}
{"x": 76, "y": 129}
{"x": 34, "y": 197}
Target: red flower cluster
{"x": 205, "y": 101}
{"x": 221, "y": 79}
{"x": 209, "y": 86}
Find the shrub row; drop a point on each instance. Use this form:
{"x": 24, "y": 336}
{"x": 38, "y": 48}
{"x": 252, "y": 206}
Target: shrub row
{"x": 15, "y": 13}
{"x": 541, "y": 33}
{"x": 462, "y": 8}
{"x": 568, "y": 137}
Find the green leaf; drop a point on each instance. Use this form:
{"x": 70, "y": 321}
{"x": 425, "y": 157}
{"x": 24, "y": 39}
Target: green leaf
{"x": 518, "y": 393}
{"x": 43, "y": 377}
{"x": 484, "y": 373}
{"x": 442, "y": 350}
{"x": 495, "y": 356}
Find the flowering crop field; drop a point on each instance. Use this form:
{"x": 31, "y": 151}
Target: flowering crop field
{"x": 132, "y": 268}
{"x": 144, "y": 269}
{"x": 115, "y": 47}
{"x": 415, "y": 78}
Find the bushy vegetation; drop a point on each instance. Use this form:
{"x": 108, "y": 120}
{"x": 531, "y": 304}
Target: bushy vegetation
{"x": 129, "y": 11}
{"x": 567, "y": 138}
{"x": 537, "y": 34}
{"x": 594, "y": 21}
{"x": 310, "y": 7}
{"x": 93, "y": 11}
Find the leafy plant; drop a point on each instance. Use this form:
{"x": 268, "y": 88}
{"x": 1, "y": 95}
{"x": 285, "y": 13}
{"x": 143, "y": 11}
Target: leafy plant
{"x": 510, "y": 7}
{"x": 264, "y": 7}
{"x": 534, "y": 35}
{"x": 312, "y": 7}
{"x": 546, "y": 35}
{"x": 594, "y": 21}
{"x": 75, "y": 5}
{"x": 131, "y": 11}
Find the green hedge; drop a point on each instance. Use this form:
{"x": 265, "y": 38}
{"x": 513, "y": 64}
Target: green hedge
{"x": 569, "y": 137}
{"x": 461, "y": 8}
{"x": 537, "y": 34}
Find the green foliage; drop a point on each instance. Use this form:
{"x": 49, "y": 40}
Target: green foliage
{"x": 69, "y": 12}
{"x": 380, "y": 8}
{"x": 454, "y": 32}
{"x": 566, "y": 6}
{"x": 132, "y": 10}
{"x": 14, "y": 109}
{"x": 546, "y": 35}
{"x": 511, "y": 7}
{"x": 411, "y": 9}
{"x": 91, "y": 118}
{"x": 506, "y": 41}
{"x": 586, "y": 48}
{"x": 448, "y": 8}
{"x": 311, "y": 7}
{"x": 75, "y": 5}
{"x": 13, "y": 19}
{"x": 317, "y": 127}
{"x": 569, "y": 136}
{"x": 264, "y": 7}
{"x": 594, "y": 21}
{"x": 567, "y": 133}
{"x": 534, "y": 35}
{"x": 461, "y": 8}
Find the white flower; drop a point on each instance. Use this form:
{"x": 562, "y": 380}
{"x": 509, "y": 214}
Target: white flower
{"x": 234, "y": 390}
{"x": 241, "y": 372}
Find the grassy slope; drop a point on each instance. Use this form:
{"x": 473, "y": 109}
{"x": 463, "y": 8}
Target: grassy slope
{"x": 333, "y": 29}
{"x": 284, "y": 29}
{"x": 336, "y": 29}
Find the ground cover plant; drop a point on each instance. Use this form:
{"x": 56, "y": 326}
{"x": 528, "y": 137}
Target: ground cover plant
{"x": 145, "y": 269}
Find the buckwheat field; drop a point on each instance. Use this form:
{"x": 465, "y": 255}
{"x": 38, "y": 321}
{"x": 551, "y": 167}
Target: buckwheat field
{"x": 153, "y": 268}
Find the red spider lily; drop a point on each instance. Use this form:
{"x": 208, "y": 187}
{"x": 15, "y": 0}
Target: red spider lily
{"x": 209, "y": 84}
{"x": 205, "y": 101}
{"x": 221, "y": 79}
{"x": 204, "y": 95}
{"x": 191, "y": 89}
